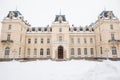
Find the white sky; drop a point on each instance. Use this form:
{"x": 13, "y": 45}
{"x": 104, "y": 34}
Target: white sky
{"x": 42, "y": 12}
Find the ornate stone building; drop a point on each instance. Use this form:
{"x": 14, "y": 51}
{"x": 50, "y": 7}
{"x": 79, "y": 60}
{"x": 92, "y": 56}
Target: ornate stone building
{"x": 60, "y": 40}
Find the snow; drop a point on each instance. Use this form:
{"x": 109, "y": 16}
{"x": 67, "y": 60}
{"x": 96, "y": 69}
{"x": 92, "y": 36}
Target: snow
{"x": 60, "y": 70}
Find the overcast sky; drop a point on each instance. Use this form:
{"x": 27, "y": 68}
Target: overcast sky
{"x": 42, "y": 12}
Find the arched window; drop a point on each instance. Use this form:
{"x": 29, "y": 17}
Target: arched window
{"x": 114, "y": 51}
{"x": 7, "y": 51}
{"x": 35, "y": 51}
{"x": 48, "y": 51}
{"x": 28, "y": 51}
{"x": 79, "y": 51}
{"x": 41, "y": 51}
{"x": 72, "y": 51}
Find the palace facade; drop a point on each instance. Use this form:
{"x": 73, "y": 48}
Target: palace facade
{"x": 60, "y": 40}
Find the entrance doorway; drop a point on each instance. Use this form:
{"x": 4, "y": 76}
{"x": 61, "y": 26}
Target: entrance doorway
{"x": 60, "y": 52}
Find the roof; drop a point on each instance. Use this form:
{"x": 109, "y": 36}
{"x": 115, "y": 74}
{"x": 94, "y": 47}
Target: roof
{"x": 57, "y": 18}
{"x": 16, "y": 13}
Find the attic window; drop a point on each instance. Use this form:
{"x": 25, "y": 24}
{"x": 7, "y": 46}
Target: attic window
{"x": 45, "y": 29}
{"x": 33, "y": 29}
{"x": 75, "y": 29}
{"x": 39, "y": 29}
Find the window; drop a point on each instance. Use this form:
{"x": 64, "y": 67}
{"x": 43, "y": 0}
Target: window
{"x": 78, "y": 40}
{"x": 85, "y": 51}
{"x": 29, "y": 41}
{"x": 35, "y": 41}
{"x": 72, "y": 40}
{"x": 9, "y": 27}
{"x": 100, "y": 38}
{"x": 8, "y": 37}
{"x": 112, "y": 37}
{"x": 91, "y": 40}
{"x": 60, "y": 29}
{"x": 48, "y": 40}
{"x": 28, "y": 51}
{"x": 72, "y": 51}
{"x": 114, "y": 51}
{"x": 92, "y": 51}
{"x": 79, "y": 51}
{"x": 7, "y": 51}
{"x": 48, "y": 51}
{"x": 111, "y": 27}
{"x": 101, "y": 50}
{"x": 85, "y": 40}
{"x": 41, "y": 51}
{"x": 60, "y": 38}
{"x": 19, "y": 51}
{"x": 42, "y": 40}
{"x": 35, "y": 51}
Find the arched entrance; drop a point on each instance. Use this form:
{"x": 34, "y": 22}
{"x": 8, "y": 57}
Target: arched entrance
{"x": 60, "y": 52}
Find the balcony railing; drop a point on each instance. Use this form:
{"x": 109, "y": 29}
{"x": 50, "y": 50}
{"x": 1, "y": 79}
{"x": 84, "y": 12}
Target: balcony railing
{"x": 114, "y": 41}
{"x": 6, "y": 41}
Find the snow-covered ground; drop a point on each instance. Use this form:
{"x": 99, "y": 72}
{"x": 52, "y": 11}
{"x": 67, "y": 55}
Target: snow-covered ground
{"x": 65, "y": 70}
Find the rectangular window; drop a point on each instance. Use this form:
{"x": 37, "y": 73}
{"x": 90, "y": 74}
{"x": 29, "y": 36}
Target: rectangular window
{"x": 8, "y": 37}
{"x": 92, "y": 51}
{"x": 91, "y": 40}
{"x": 101, "y": 50}
{"x": 100, "y": 38}
{"x": 60, "y": 29}
{"x": 79, "y": 51}
{"x": 19, "y": 51}
{"x": 72, "y": 40}
{"x": 28, "y": 51}
{"x": 72, "y": 51}
{"x": 85, "y": 51}
{"x": 112, "y": 37}
{"x": 114, "y": 51}
{"x": 29, "y": 41}
{"x": 78, "y": 40}
{"x": 35, "y": 51}
{"x": 42, "y": 41}
{"x": 9, "y": 27}
{"x": 35, "y": 41}
{"x": 48, "y": 40}
{"x": 111, "y": 27}
{"x": 85, "y": 41}
{"x": 60, "y": 38}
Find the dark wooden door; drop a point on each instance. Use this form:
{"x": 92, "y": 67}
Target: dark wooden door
{"x": 60, "y": 52}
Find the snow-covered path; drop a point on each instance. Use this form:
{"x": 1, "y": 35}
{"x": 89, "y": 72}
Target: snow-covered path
{"x": 65, "y": 70}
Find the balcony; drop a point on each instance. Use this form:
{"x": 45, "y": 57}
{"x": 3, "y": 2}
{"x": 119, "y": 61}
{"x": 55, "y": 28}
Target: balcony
{"x": 114, "y": 41}
{"x": 6, "y": 41}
